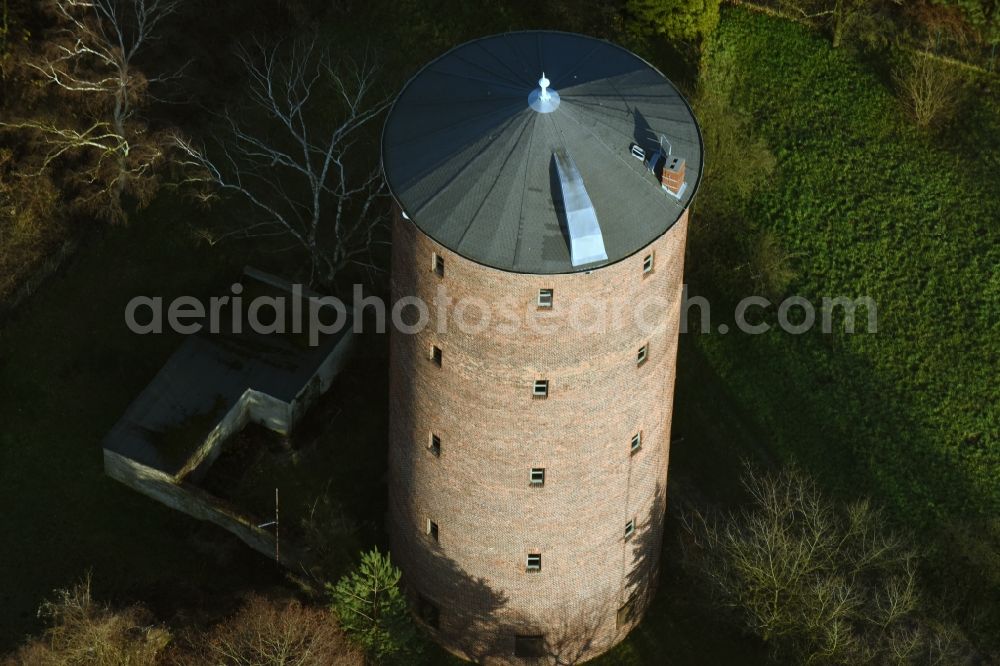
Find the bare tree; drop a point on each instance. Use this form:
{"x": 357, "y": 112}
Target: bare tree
{"x": 829, "y": 585}
{"x": 89, "y": 62}
{"x": 929, "y": 88}
{"x": 267, "y": 632}
{"x": 865, "y": 21}
{"x": 289, "y": 155}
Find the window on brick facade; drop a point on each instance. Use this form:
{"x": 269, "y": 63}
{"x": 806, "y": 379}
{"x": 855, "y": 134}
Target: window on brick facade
{"x": 630, "y": 528}
{"x": 640, "y": 357}
{"x": 428, "y": 612}
{"x": 541, "y": 388}
{"x": 545, "y": 298}
{"x": 529, "y": 647}
{"x": 626, "y": 613}
{"x": 537, "y": 476}
{"x": 432, "y": 529}
{"x": 647, "y": 264}
{"x": 534, "y": 562}
{"x": 636, "y": 442}
{"x": 435, "y": 445}
{"x": 436, "y": 355}
{"x": 437, "y": 264}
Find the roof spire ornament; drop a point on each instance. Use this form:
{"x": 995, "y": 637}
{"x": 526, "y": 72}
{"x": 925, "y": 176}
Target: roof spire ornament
{"x": 542, "y": 99}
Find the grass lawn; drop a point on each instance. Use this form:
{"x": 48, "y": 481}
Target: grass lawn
{"x": 908, "y": 415}
{"x": 911, "y": 412}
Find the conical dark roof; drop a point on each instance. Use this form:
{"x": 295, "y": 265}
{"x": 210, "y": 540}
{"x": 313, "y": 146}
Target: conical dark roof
{"x": 472, "y": 163}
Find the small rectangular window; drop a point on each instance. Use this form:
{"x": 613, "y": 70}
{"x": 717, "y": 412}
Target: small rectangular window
{"x": 538, "y": 476}
{"x": 529, "y": 647}
{"x": 534, "y": 562}
{"x": 435, "y": 445}
{"x": 545, "y": 298}
{"x": 640, "y": 358}
{"x": 428, "y": 612}
{"x": 636, "y": 442}
{"x": 436, "y": 355}
{"x": 630, "y": 528}
{"x": 647, "y": 265}
{"x": 438, "y": 264}
{"x": 432, "y": 529}
{"x": 541, "y": 388}
{"x": 626, "y": 613}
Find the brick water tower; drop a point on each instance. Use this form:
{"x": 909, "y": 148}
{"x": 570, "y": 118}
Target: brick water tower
{"x": 542, "y": 182}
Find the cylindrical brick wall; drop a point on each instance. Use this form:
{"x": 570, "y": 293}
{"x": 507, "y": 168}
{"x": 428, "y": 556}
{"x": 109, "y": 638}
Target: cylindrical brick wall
{"x": 493, "y": 431}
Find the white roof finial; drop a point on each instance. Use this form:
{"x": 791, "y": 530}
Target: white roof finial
{"x": 541, "y": 99}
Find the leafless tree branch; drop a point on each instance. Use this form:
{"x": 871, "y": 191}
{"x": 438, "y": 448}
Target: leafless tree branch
{"x": 90, "y": 59}
{"x": 829, "y": 584}
{"x": 295, "y": 168}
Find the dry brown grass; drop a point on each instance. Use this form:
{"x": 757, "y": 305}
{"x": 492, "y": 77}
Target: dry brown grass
{"x": 265, "y": 631}
{"x": 89, "y": 633}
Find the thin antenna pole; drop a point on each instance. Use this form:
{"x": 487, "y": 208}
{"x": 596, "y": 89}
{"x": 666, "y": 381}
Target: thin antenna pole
{"x": 277, "y": 528}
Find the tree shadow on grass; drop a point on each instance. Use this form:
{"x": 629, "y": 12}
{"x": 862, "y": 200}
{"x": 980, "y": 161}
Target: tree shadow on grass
{"x": 814, "y": 401}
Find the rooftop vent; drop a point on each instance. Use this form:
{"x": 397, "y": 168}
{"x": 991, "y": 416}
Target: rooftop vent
{"x": 669, "y": 169}
{"x": 586, "y": 243}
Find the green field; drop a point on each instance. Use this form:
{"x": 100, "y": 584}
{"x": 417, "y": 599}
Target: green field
{"x": 860, "y": 202}
{"x": 867, "y": 206}
{"x": 863, "y": 204}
